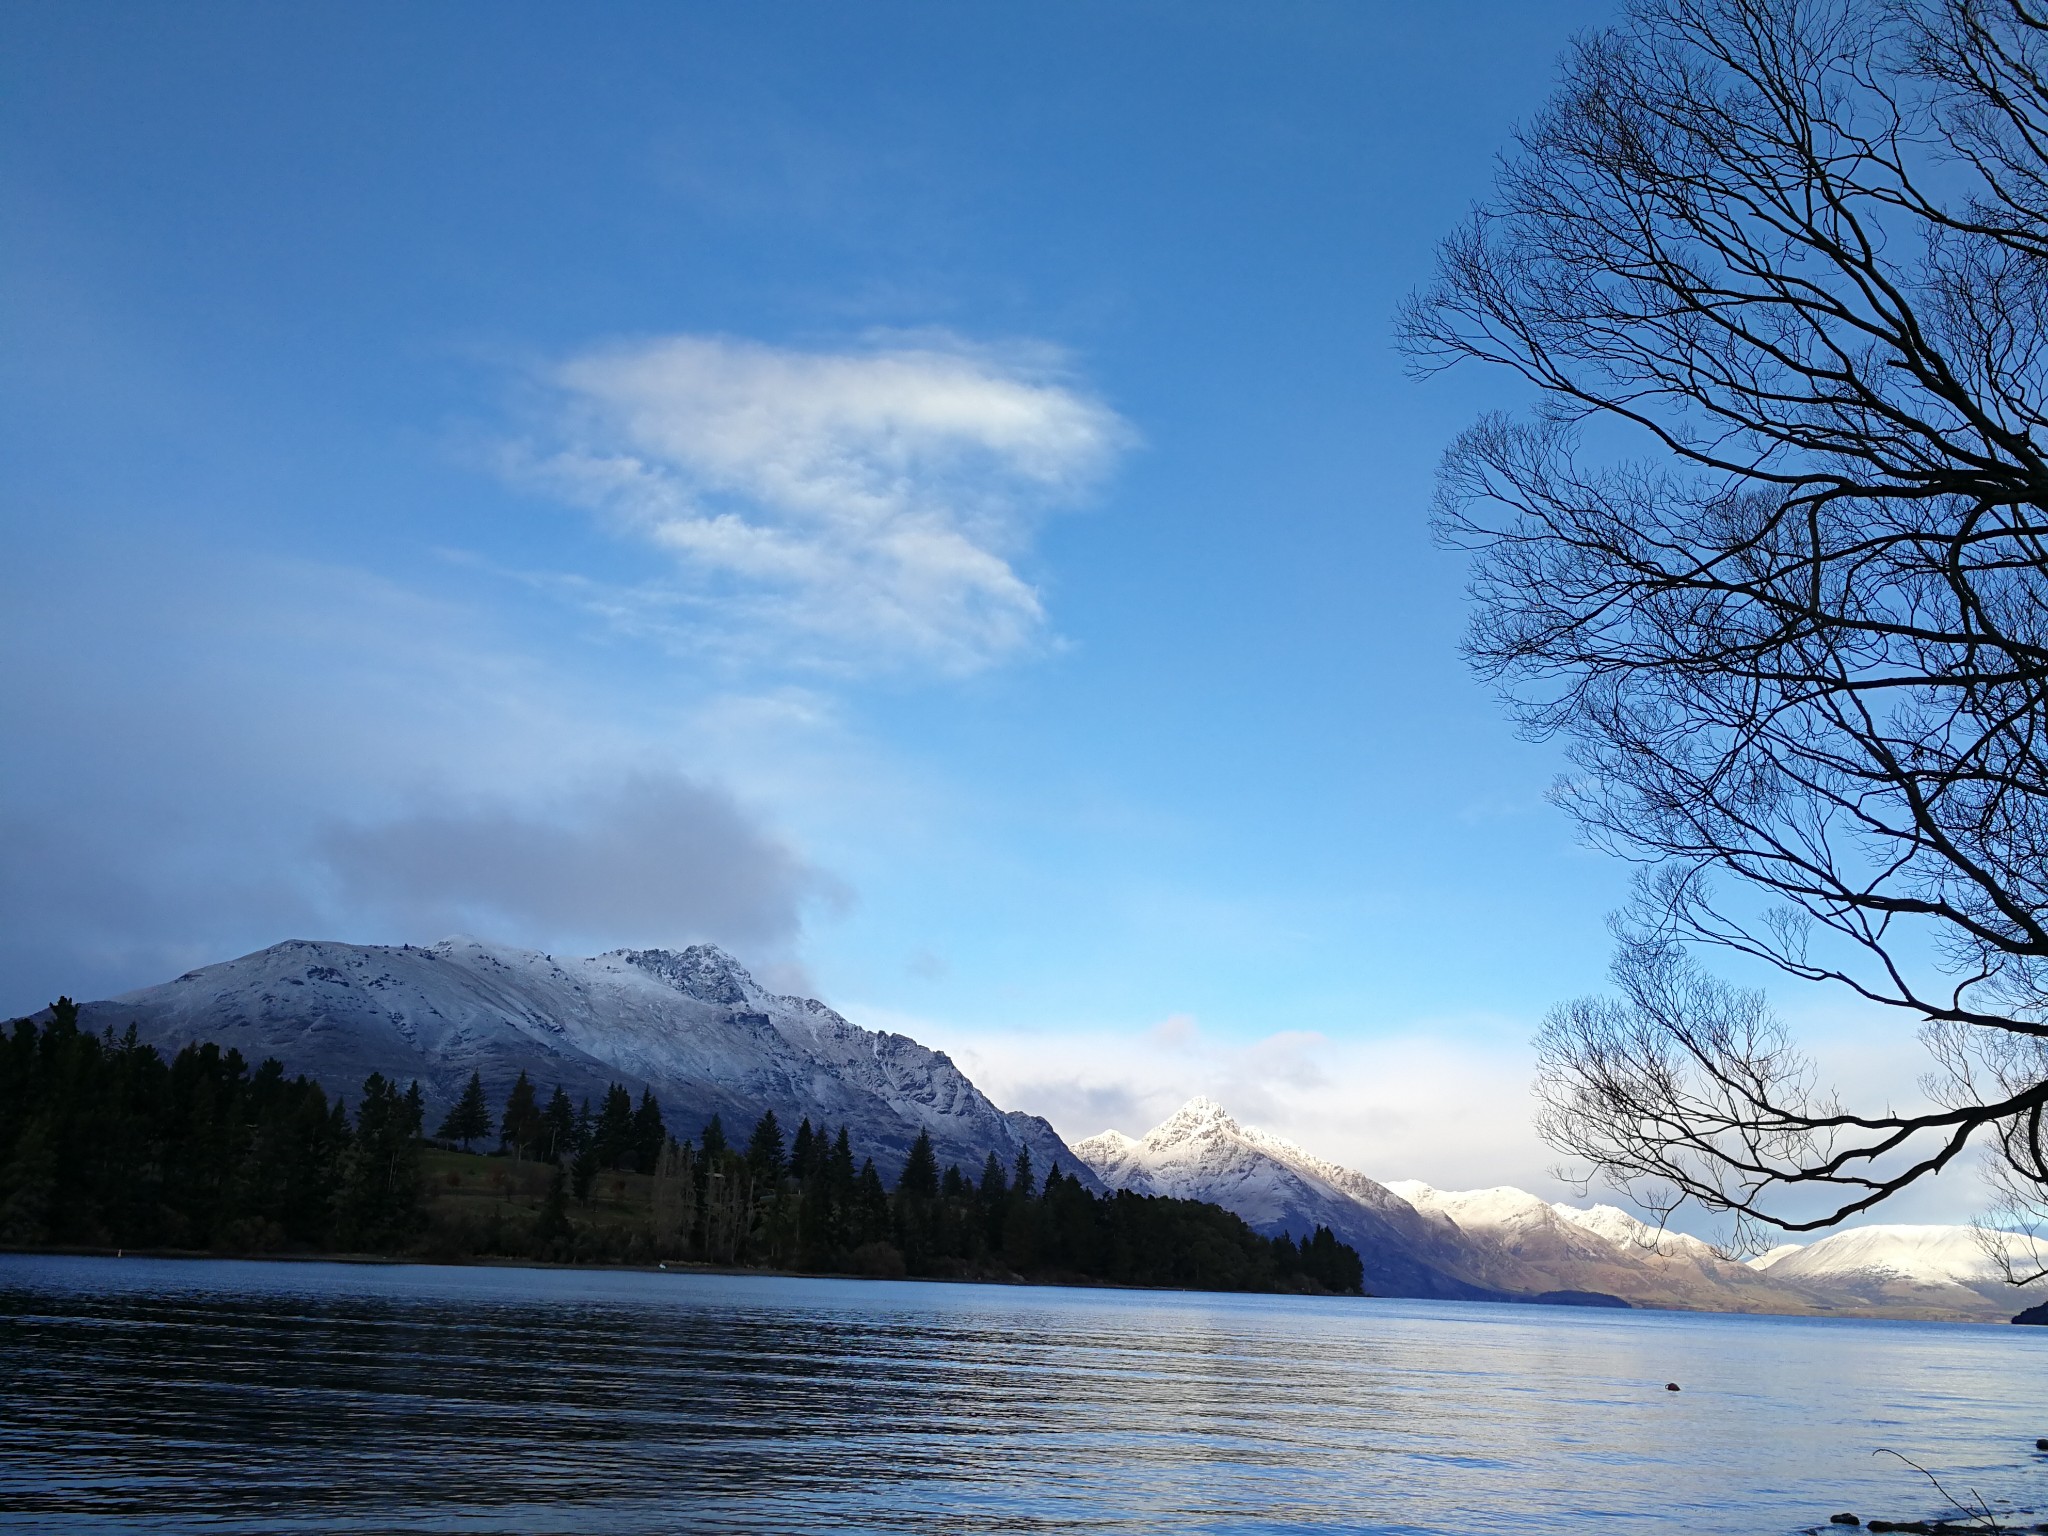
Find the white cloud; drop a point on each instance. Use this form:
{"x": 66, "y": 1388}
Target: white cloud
{"x": 850, "y": 511}
{"x": 1445, "y": 1101}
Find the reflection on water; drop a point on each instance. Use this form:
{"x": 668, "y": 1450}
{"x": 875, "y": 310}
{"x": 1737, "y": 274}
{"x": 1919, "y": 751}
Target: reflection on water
{"x": 165, "y": 1396}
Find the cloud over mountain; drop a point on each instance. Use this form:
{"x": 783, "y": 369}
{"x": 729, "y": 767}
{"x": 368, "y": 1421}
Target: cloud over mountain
{"x": 655, "y": 858}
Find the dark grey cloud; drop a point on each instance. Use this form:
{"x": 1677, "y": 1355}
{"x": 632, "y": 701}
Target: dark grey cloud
{"x": 656, "y": 858}
{"x": 230, "y": 752}
{"x": 93, "y": 905}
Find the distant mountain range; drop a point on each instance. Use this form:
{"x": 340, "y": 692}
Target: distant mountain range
{"x": 1927, "y": 1269}
{"x": 692, "y": 1025}
{"x": 1510, "y": 1244}
{"x": 1202, "y": 1154}
{"x": 695, "y": 1027}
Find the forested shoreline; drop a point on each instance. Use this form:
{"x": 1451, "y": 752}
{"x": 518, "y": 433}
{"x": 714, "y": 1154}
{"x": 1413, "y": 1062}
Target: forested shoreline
{"x": 105, "y": 1144}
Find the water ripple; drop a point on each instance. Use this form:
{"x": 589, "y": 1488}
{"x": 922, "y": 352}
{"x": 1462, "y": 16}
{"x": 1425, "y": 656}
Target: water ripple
{"x": 221, "y": 1397}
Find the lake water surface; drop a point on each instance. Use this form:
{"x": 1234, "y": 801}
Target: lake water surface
{"x": 172, "y": 1396}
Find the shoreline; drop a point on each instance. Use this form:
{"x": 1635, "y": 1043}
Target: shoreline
{"x": 1079, "y": 1283}
{"x": 667, "y": 1266}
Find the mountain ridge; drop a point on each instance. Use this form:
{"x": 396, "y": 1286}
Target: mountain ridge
{"x": 1202, "y": 1153}
{"x": 692, "y": 1025}
{"x": 1508, "y": 1243}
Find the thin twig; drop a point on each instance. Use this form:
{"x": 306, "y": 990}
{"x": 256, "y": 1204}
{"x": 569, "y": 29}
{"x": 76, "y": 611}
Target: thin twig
{"x": 1988, "y": 1518}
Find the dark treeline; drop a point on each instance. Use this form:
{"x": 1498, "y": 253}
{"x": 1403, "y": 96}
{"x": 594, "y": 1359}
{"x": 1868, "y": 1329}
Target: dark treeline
{"x": 103, "y": 1143}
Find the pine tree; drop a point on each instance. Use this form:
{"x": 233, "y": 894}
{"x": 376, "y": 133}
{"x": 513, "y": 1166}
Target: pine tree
{"x": 920, "y": 1176}
{"x": 839, "y": 1181}
{"x": 764, "y": 1152}
{"x": 994, "y": 1199}
{"x": 817, "y": 1222}
{"x": 649, "y": 1134}
{"x": 471, "y": 1116}
{"x": 713, "y": 1139}
{"x": 558, "y": 1128}
{"x": 871, "y": 1206}
{"x": 1333, "y": 1265}
{"x": 993, "y": 1185}
{"x": 615, "y": 1147}
{"x": 839, "y": 1171}
{"x": 382, "y": 1191}
{"x": 1020, "y": 1178}
{"x": 802, "y": 1151}
{"x": 583, "y": 1156}
{"x": 521, "y": 1128}
{"x": 954, "y": 1186}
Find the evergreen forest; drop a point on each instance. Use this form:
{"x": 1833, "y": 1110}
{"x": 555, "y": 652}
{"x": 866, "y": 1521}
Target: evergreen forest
{"x": 105, "y": 1144}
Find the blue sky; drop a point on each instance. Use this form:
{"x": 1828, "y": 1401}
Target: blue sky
{"x": 924, "y": 496}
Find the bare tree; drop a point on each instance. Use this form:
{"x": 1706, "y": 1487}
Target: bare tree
{"x": 1768, "y": 556}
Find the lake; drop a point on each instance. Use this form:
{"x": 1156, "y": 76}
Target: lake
{"x": 170, "y": 1396}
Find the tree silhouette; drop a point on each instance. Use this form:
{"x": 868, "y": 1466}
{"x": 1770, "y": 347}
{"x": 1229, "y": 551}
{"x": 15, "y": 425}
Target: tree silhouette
{"x": 558, "y": 1128}
{"x": 521, "y": 1128}
{"x": 920, "y": 1176}
{"x": 471, "y": 1116}
{"x": 649, "y": 1134}
{"x": 616, "y": 1146}
{"x": 1769, "y": 557}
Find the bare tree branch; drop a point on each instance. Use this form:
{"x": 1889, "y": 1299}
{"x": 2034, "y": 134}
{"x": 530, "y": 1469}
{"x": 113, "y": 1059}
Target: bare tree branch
{"x": 1797, "y": 645}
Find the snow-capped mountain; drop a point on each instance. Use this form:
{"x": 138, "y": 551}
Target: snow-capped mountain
{"x": 1201, "y": 1153}
{"x": 1943, "y": 1269}
{"x": 692, "y": 1025}
{"x": 1771, "y": 1256}
{"x": 1525, "y": 1243}
{"x": 1417, "y": 1240}
{"x": 1631, "y": 1232}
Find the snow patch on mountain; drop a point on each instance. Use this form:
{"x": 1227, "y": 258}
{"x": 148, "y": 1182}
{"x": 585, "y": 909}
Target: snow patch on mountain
{"x": 1932, "y": 1266}
{"x": 1506, "y": 1241}
{"x": 693, "y": 1025}
{"x": 1201, "y": 1153}
{"x": 1626, "y": 1231}
{"x": 1506, "y": 1209}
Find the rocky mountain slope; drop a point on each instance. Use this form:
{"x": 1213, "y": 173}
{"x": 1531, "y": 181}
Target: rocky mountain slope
{"x": 692, "y": 1025}
{"x": 1507, "y": 1242}
{"x": 1201, "y": 1153}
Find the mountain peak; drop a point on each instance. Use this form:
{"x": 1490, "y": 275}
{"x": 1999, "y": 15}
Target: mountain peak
{"x": 703, "y": 971}
{"x": 1104, "y": 1144}
{"x": 1199, "y": 1115}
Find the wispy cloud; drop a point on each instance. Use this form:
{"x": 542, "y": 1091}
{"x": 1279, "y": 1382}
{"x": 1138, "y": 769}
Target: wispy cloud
{"x": 852, "y": 510}
{"x": 1444, "y": 1100}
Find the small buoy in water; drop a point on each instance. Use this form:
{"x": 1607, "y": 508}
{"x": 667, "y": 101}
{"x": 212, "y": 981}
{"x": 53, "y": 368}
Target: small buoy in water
{"x": 1670, "y": 1386}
